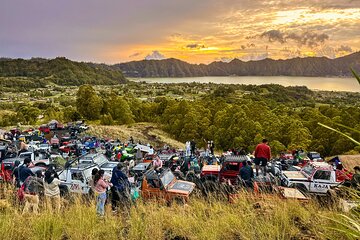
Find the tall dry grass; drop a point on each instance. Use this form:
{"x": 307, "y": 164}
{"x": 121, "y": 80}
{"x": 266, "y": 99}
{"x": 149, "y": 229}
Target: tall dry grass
{"x": 249, "y": 217}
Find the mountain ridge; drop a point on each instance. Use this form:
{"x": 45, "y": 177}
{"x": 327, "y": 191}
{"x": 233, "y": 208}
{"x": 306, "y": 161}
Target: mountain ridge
{"x": 62, "y": 71}
{"x": 308, "y": 66}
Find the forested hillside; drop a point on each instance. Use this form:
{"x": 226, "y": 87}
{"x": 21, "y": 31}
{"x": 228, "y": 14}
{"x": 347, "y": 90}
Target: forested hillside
{"x": 310, "y": 66}
{"x": 37, "y": 72}
{"x": 234, "y": 116}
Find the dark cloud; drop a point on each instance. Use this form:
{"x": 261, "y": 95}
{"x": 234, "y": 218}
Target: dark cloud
{"x": 135, "y": 55}
{"x": 155, "y": 55}
{"x": 274, "y": 36}
{"x": 195, "y": 46}
{"x": 344, "y": 48}
{"x": 310, "y": 39}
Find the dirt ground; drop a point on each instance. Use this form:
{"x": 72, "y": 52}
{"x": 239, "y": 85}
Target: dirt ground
{"x": 143, "y": 132}
{"x": 350, "y": 161}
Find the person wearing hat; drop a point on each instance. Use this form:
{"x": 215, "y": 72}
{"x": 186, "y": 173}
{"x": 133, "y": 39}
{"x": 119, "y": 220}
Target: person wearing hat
{"x": 33, "y": 186}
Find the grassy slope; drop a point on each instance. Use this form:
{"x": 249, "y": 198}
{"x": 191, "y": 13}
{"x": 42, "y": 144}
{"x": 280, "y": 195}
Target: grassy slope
{"x": 247, "y": 218}
{"x": 250, "y": 217}
{"x": 145, "y": 132}
{"x": 350, "y": 161}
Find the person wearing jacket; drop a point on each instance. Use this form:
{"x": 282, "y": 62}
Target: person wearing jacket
{"x": 52, "y": 190}
{"x": 120, "y": 187}
{"x": 24, "y": 171}
{"x": 33, "y": 186}
{"x": 247, "y": 175}
{"x": 100, "y": 189}
{"x": 15, "y": 174}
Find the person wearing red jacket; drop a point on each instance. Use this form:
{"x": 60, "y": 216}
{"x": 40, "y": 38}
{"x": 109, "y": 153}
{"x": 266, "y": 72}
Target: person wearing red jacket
{"x": 262, "y": 156}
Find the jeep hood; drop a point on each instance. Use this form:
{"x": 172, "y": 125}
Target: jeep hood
{"x": 211, "y": 168}
{"x": 182, "y": 187}
{"x": 295, "y": 175}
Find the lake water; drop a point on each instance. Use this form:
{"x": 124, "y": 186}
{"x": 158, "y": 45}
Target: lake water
{"x": 314, "y": 83}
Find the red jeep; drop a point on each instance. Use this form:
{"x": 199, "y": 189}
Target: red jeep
{"x": 229, "y": 170}
{"x": 69, "y": 148}
{"x": 44, "y": 128}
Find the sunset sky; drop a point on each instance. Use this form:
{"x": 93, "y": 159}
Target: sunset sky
{"x": 196, "y": 31}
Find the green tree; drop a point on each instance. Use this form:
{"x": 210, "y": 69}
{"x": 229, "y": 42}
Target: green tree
{"x": 28, "y": 114}
{"x": 88, "y": 103}
{"x": 119, "y": 110}
{"x": 106, "y": 119}
{"x": 300, "y": 136}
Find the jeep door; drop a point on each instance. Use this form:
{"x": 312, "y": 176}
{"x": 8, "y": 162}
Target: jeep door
{"x": 77, "y": 182}
{"x": 230, "y": 171}
{"x": 320, "y": 181}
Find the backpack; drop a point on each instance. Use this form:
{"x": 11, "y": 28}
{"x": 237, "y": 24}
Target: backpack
{"x": 21, "y": 193}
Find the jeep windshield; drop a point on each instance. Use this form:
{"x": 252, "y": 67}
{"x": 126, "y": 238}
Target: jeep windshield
{"x": 98, "y": 160}
{"x": 87, "y": 173}
{"x": 167, "y": 178}
{"x": 315, "y": 155}
{"x": 308, "y": 170}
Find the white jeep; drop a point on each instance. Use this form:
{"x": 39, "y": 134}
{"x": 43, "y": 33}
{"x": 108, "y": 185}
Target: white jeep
{"x": 76, "y": 179}
{"x": 316, "y": 177}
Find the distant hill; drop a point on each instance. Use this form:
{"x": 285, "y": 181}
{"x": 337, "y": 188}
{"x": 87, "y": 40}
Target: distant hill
{"x": 310, "y": 66}
{"x": 38, "y": 72}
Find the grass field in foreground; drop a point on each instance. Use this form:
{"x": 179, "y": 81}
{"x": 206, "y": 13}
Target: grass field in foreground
{"x": 267, "y": 217}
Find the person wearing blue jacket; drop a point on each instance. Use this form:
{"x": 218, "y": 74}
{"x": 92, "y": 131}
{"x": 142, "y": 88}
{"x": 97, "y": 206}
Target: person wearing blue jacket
{"x": 120, "y": 188}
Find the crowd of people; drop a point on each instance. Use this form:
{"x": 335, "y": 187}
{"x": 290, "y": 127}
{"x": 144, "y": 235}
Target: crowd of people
{"x": 31, "y": 187}
{"x": 43, "y": 188}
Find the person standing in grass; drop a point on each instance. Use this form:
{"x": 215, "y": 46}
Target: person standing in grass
{"x": 247, "y": 175}
{"x": 100, "y": 189}
{"x": 52, "y": 190}
{"x": 24, "y": 171}
{"x": 91, "y": 181}
{"x": 262, "y": 156}
{"x": 33, "y": 186}
{"x": 120, "y": 187}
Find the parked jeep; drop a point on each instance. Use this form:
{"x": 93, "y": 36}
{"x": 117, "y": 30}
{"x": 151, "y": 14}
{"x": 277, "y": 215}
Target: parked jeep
{"x": 228, "y": 170}
{"x": 37, "y": 158}
{"x": 76, "y": 179}
{"x": 316, "y": 177}
{"x": 165, "y": 186}
{"x": 100, "y": 160}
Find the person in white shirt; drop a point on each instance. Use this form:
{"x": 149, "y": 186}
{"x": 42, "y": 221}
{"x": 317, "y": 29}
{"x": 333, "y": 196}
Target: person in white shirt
{"x": 151, "y": 150}
{"x": 52, "y": 190}
{"x": 188, "y": 152}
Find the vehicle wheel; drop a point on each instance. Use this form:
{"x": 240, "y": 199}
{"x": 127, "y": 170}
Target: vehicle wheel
{"x": 64, "y": 191}
{"x": 178, "y": 200}
{"x": 40, "y": 165}
{"x": 191, "y": 177}
{"x": 333, "y": 200}
{"x": 301, "y": 188}
{"x": 210, "y": 187}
